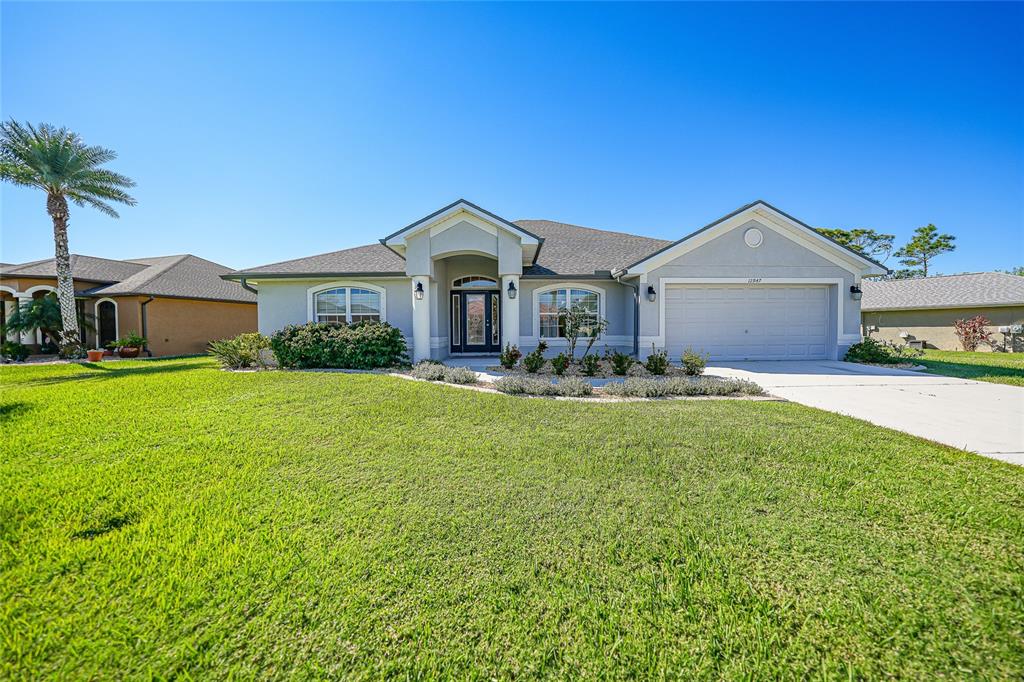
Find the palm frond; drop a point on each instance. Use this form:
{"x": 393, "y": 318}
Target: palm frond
{"x": 59, "y": 162}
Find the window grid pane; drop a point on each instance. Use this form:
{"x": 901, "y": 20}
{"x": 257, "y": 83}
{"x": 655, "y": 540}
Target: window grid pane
{"x": 330, "y": 306}
{"x": 365, "y": 305}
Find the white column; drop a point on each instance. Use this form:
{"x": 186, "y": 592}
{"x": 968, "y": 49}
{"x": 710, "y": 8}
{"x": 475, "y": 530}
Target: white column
{"x": 421, "y": 320}
{"x": 509, "y": 311}
{"x": 23, "y": 300}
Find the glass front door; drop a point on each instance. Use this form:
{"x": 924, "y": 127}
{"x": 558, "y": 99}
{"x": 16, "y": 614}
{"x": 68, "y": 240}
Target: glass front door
{"x": 475, "y": 322}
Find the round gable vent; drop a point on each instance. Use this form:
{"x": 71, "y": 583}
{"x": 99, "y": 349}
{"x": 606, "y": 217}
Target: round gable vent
{"x": 753, "y": 237}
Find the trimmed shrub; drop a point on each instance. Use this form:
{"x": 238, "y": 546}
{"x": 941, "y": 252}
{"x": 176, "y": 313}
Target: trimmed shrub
{"x": 12, "y": 351}
{"x": 639, "y": 387}
{"x": 428, "y": 370}
{"x": 364, "y": 345}
{"x": 242, "y": 351}
{"x": 534, "y": 360}
{"x": 510, "y": 356}
{"x": 459, "y": 375}
{"x": 574, "y": 387}
{"x": 657, "y": 362}
{"x": 694, "y": 362}
{"x": 620, "y": 362}
{"x": 590, "y": 365}
{"x": 519, "y": 385}
{"x": 882, "y": 352}
{"x": 560, "y": 363}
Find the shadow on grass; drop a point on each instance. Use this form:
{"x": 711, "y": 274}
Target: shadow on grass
{"x": 108, "y": 526}
{"x": 969, "y": 371}
{"x": 99, "y": 372}
{"x": 10, "y": 410}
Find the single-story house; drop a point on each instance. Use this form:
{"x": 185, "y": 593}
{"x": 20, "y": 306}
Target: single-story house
{"x": 925, "y": 308}
{"x": 755, "y": 284}
{"x": 179, "y": 303}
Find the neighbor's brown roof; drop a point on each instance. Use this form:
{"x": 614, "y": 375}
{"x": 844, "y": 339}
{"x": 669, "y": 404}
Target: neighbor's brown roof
{"x": 567, "y": 250}
{"x": 183, "y": 276}
{"x": 87, "y": 268}
{"x": 944, "y": 291}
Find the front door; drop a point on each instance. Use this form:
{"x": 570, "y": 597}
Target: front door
{"x": 476, "y": 326}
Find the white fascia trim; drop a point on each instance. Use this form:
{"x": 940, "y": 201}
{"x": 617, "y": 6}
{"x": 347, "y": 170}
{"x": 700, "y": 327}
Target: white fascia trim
{"x": 776, "y": 222}
{"x": 117, "y": 322}
{"x": 312, "y": 291}
{"x": 461, "y": 207}
{"x": 659, "y": 340}
{"x": 535, "y": 322}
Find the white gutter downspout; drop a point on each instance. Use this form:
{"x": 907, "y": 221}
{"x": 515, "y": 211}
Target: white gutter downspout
{"x": 618, "y": 275}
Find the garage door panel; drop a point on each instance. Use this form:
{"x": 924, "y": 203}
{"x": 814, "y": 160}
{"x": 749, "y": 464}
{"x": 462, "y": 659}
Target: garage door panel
{"x": 741, "y": 322}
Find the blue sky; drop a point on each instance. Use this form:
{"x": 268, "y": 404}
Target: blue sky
{"x": 261, "y": 132}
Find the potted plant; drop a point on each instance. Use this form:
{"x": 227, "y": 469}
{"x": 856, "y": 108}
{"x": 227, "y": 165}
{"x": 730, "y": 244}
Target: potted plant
{"x": 95, "y": 354}
{"x": 108, "y": 350}
{"x": 129, "y": 345}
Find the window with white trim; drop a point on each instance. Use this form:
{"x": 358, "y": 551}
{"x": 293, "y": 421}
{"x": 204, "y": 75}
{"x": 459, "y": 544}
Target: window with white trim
{"x": 475, "y": 282}
{"x": 346, "y": 305}
{"x": 553, "y": 303}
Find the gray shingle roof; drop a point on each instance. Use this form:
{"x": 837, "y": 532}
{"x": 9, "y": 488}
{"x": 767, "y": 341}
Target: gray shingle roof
{"x": 574, "y": 250}
{"x": 183, "y": 276}
{"x": 567, "y": 250}
{"x": 369, "y": 259}
{"x": 945, "y": 291}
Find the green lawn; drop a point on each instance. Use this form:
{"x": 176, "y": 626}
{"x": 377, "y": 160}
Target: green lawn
{"x": 998, "y": 368}
{"x": 166, "y": 519}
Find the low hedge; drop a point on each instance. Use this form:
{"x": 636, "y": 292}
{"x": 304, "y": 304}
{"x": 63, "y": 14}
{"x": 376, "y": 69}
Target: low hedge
{"x": 364, "y": 345}
{"x": 640, "y": 387}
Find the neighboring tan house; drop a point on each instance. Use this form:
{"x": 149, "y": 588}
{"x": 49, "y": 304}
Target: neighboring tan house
{"x": 755, "y": 284}
{"x": 924, "y": 309}
{"x": 179, "y": 303}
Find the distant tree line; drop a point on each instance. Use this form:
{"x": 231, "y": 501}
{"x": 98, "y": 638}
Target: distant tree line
{"x": 916, "y": 255}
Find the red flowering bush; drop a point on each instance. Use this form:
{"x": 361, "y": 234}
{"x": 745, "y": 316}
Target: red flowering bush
{"x": 972, "y": 332}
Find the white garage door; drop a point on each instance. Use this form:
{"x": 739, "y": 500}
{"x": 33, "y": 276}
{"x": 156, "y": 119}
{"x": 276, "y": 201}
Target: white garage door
{"x": 737, "y": 322}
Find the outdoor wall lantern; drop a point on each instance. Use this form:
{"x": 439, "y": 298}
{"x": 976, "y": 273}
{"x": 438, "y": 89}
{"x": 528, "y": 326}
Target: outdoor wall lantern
{"x": 651, "y": 293}
{"x": 512, "y": 291}
{"x": 419, "y": 291}
{"x": 855, "y": 292}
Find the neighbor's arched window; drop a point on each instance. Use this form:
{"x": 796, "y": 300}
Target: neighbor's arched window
{"x": 475, "y": 282}
{"x": 551, "y": 303}
{"x": 346, "y": 305}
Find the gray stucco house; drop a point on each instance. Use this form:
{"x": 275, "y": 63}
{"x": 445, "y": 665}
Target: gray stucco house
{"x": 755, "y": 284}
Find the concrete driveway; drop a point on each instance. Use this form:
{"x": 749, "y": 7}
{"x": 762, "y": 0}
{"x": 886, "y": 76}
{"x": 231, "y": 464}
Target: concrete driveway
{"x": 972, "y": 415}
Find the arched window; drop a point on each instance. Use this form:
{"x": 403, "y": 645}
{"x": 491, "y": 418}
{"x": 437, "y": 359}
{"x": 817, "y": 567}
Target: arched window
{"x": 552, "y": 303}
{"x": 475, "y": 282}
{"x": 346, "y": 305}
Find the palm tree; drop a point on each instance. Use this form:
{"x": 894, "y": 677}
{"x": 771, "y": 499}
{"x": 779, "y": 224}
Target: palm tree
{"x": 58, "y": 162}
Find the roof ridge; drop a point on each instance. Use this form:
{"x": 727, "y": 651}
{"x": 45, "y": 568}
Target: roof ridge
{"x": 952, "y": 274}
{"x": 317, "y": 255}
{"x": 158, "y": 270}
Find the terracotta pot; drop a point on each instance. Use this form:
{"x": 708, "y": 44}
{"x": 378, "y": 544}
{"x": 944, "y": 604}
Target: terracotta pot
{"x": 95, "y": 355}
{"x": 128, "y": 352}
{"x": 108, "y": 353}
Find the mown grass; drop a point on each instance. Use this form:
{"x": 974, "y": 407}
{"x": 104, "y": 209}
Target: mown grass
{"x": 997, "y": 368}
{"x": 166, "y": 519}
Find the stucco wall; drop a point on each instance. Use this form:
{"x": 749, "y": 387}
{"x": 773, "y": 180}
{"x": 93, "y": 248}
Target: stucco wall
{"x": 618, "y": 310}
{"x": 284, "y": 302}
{"x": 936, "y": 326}
{"x": 184, "y": 326}
{"x": 778, "y": 257}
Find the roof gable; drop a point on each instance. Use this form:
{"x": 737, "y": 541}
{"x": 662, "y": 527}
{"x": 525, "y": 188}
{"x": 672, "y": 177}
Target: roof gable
{"x": 771, "y": 217}
{"x": 459, "y": 209}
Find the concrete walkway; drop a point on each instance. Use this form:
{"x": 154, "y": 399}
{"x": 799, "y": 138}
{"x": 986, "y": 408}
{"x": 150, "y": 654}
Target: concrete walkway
{"x": 972, "y": 415}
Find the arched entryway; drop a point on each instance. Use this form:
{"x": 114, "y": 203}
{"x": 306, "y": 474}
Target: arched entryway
{"x": 106, "y": 322}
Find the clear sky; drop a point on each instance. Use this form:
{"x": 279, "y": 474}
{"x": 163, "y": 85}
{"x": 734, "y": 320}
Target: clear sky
{"x": 261, "y": 132}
